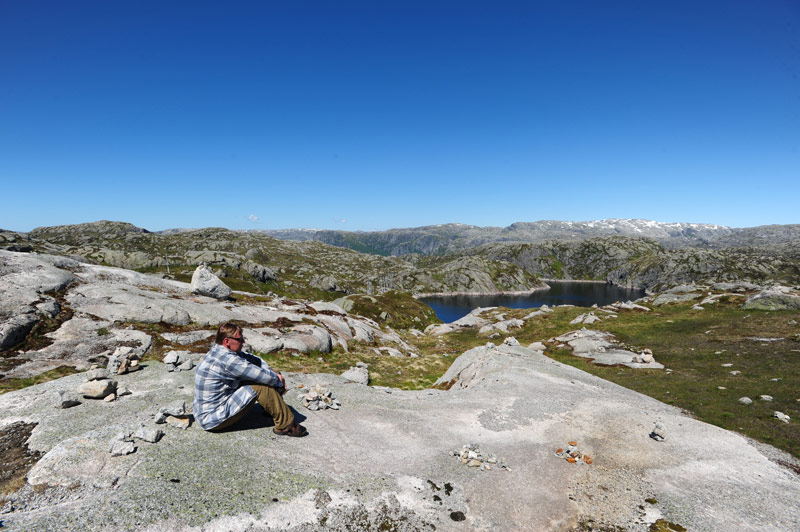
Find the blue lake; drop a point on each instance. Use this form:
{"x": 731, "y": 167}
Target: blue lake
{"x": 451, "y": 308}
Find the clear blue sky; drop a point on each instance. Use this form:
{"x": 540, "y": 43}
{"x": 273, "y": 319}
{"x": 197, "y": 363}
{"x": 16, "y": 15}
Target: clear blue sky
{"x": 372, "y": 115}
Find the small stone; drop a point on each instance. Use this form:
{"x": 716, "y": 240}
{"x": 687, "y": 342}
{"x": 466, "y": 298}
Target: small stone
{"x": 776, "y": 379}
{"x": 727, "y": 365}
{"x": 745, "y": 400}
{"x": 97, "y": 374}
{"x": 160, "y": 418}
{"x": 474, "y": 463}
{"x": 123, "y": 391}
{"x": 511, "y": 341}
{"x": 110, "y": 398}
{"x": 64, "y": 399}
{"x": 121, "y": 448}
{"x": 659, "y": 432}
{"x": 721, "y": 388}
{"x": 148, "y": 434}
{"x": 186, "y": 365}
{"x": 736, "y": 372}
{"x": 765, "y": 397}
{"x": 179, "y": 422}
{"x": 171, "y": 358}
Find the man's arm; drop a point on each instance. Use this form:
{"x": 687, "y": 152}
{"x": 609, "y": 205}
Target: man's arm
{"x": 243, "y": 368}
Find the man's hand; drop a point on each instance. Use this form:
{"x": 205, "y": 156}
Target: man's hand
{"x": 281, "y": 390}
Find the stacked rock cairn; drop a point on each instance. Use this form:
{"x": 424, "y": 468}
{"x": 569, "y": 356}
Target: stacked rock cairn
{"x": 471, "y": 455}
{"x": 572, "y": 455}
{"x": 123, "y": 360}
{"x": 319, "y": 398}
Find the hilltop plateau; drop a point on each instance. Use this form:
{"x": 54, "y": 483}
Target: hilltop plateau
{"x": 682, "y": 406}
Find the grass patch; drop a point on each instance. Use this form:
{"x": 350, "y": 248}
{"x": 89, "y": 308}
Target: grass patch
{"x": 695, "y": 344}
{"x": 9, "y": 385}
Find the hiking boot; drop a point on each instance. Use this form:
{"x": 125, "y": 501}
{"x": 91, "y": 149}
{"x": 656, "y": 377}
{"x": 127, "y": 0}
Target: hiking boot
{"x": 294, "y": 430}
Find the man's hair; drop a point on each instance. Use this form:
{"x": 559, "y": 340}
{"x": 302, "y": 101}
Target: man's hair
{"x": 227, "y": 330}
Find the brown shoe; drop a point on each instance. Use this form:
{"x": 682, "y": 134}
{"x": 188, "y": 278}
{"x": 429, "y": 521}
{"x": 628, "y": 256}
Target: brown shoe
{"x": 294, "y": 430}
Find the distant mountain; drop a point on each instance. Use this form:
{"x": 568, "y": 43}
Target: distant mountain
{"x": 449, "y": 238}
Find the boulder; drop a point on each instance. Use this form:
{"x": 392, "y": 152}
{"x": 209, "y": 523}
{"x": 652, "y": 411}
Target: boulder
{"x": 776, "y": 298}
{"x": 205, "y": 283}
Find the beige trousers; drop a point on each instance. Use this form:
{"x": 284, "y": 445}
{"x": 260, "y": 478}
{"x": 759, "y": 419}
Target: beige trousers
{"x": 273, "y": 404}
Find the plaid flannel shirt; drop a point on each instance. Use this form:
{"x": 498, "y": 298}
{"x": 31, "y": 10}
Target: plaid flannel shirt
{"x": 219, "y": 384}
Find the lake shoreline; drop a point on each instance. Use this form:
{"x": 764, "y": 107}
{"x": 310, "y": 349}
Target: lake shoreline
{"x": 507, "y": 293}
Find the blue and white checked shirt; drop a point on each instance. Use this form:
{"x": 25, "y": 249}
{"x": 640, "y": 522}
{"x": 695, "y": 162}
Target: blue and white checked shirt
{"x": 218, "y": 389}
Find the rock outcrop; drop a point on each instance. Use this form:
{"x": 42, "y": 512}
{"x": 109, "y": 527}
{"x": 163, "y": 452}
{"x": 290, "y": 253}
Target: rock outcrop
{"x": 312, "y": 485}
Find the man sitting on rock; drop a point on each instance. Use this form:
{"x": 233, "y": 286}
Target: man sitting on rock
{"x": 229, "y": 381}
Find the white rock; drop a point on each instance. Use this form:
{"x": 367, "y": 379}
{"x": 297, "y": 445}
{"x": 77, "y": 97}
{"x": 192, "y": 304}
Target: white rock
{"x": 356, "y": 374}
{"x": 97, "y": 389}
{"x": 765, "y": 397}
{"x": 783, "y": 417}
{"x": 205, "y": 283}
{"x": 745, "y": 400}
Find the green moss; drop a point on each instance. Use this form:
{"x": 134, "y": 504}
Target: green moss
{"x": 8, "y": 385}
{"x": 662, "y": 525}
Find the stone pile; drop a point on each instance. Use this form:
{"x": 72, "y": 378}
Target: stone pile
{"x": 98, "y": 385}
{"x": 175, "y": 415}
{"x": 123, "y": 443}
{"x": 125, "y": 359}
{"x": 783, "y": 417}
{"x": 645, "y": 357}
{"x": 472, "y": 456}
{"x": 319, "y": 398}
{"x": 178, "y": 361}
{"x": 572, "y": 455}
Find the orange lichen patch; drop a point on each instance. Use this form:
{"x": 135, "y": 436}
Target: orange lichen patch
{"x": 572, "y": 443}
{"x": 300, "y": 385}
{"x": 571, "y": 460}
{"x": 587, "y": 459}
{"x": 559, "y": 450}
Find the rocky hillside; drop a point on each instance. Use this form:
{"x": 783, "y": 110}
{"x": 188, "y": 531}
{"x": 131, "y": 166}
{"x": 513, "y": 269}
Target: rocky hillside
{"x": 641, "y": 263}
{"x": 486, "y": 451}
{"x": 256, "y": 262}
